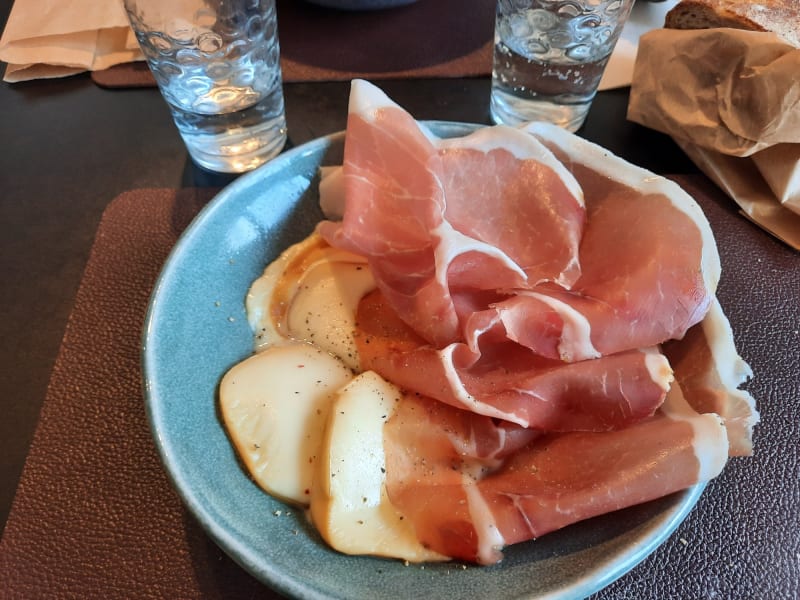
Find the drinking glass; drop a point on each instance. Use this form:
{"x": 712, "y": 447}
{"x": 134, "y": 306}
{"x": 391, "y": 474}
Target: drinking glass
{"x": 549, "y": 57}
{"x": 217, "y": 65}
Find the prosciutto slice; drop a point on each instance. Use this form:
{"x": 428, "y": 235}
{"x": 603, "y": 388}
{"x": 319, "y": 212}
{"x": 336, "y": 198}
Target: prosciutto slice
{"x": 549, "y": 311}
{"x": 533, "y": 305}
{"x": 509, "y": 382}
{"x": 434, "y": 216}
{"x": 649, "y": 265}
{"x": 709, "y": 371}
{"x": 497, "y": 210}
{"x": 468, "y": 495}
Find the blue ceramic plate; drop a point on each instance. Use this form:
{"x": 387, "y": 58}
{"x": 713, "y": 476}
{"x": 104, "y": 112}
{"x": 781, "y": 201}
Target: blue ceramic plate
{"x": 196, "y": 329}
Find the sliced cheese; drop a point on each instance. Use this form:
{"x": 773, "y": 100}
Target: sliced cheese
{"x": 349, "y": 505}
{"x": 275, "y": 405}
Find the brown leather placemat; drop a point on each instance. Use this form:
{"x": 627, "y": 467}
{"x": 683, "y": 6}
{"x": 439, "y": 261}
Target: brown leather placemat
{"x": 126, "y": 75}
{"x": 430, "y": 38}
{"x": 95, "y": 517}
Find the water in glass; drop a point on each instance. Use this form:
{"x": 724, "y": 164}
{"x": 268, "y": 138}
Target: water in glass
{"x": 549, "y": 57}
{"x": 219, "y": 71}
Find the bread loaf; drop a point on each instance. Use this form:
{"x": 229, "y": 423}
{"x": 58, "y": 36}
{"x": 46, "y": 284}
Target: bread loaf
{"x": 781, "y": 17}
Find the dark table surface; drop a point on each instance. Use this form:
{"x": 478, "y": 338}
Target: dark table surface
{"x": 70, "y": 147}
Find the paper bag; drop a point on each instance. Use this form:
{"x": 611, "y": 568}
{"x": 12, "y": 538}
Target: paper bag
{"x": 48, "y": 38}
{"x": 731, "y": 99}
{"x": 740, "y": 178}
{"x": 780, "y": 167}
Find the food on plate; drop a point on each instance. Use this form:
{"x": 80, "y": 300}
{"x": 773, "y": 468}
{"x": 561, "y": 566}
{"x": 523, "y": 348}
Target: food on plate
{"x": 778, "y": 16}
{"x": 276, "y": 406}
{"x": 512, "y": 485}
{"x": 310, "y": 292}
{"x": 522, "y": 330}
{"x": 628, "y": 290}
{"x": 350, "y": 506}
{"x": 709, "y": 372}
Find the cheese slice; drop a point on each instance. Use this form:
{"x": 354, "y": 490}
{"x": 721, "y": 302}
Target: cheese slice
{"x": 349, "y": 503}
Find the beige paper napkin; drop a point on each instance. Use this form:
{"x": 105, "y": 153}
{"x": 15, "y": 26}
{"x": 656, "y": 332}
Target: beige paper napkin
{"x": 54, "y": 38}
{"x": 731, "y": 100}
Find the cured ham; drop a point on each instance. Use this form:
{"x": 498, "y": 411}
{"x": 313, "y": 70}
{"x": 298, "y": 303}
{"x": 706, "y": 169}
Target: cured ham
{"x": 536, "y": 301}
{"x": 635, "y": 289}
{"x": 400, "y": 183}
{"x": 511, "y": 383}
{"x": 492, "y": 211}
{"x": 649, "y": 266}
{"x": 709, "y": 372}
{"x": 540, "y": 317}
{"x": 470, "y": 490}
{"x": 649, "y": 262}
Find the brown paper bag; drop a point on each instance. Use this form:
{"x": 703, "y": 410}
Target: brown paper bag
{"x": 731, "y": 100}
{"x": 740, "y": 178}
{"x": 48, "y": 38}
{"x": 780, "y": 167}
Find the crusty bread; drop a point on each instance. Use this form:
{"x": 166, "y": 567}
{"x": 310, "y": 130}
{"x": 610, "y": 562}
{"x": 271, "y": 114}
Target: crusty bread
{"x": 781, "y": 17}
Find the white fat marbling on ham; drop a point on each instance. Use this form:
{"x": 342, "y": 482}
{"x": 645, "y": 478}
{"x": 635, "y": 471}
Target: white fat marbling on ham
{"x": 508, "y": 139}
{"x": 456, "y": 393}
{"x": 452, "y": 244}
{"x": 738, "y": 409}
{"x": 490, "y": 541}
{"x": 657, "y": 364}
{"x": 576, "y": 342}
{"x": 734, "y": 371}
